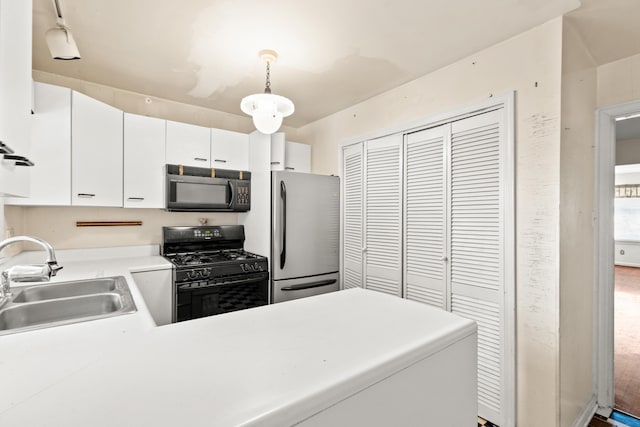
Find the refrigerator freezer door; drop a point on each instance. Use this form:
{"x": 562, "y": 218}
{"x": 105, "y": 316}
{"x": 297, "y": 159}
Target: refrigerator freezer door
{"x": 305, "y": 224}
{"x": 286, "y": 290}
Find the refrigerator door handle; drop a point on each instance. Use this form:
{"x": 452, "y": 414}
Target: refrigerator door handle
{"x": 283, "y": 196}
{"x": 309, "y": 285}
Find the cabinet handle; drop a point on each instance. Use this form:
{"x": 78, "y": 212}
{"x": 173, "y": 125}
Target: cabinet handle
{"x": 86, "y": 195}
{"x": 5, "y": 149}
{"x": 200, "y": 159}
{"x": 20, "y": 160}
{"x": 275, "y": 163}
{"x": 220, "y": 160}
{"x": 135, "y": 198}
{"x": 289, "y": 168}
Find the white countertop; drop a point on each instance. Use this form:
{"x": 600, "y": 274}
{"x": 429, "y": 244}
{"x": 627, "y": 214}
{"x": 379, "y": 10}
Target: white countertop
{"x": 270, "y": 366}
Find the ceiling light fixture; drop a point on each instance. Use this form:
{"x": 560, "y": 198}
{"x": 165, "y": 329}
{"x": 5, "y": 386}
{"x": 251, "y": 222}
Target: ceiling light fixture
{"x": 267, "y": 109}
{"x": 59, "y": 38}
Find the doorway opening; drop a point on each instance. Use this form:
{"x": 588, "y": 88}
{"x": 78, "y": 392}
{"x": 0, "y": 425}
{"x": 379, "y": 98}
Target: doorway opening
{"x": 627, "y": 266}
{"x": 617, "y": 259}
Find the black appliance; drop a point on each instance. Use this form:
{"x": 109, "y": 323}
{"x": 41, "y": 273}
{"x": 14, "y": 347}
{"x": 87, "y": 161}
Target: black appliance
{"x": 196, "y": 189}
{"x": 212, "y": 272}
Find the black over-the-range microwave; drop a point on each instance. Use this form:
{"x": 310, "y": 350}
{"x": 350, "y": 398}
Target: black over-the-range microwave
{"x": 207, "y": 190}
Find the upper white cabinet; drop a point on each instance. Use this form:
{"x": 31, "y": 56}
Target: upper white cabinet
{"x": 287, "y": 155}
{"x": 297, "y": 157}
{"x": 96, "y": 130}
{"x": 144, "y": 161}
{"x": 188, "y": 145}
{"x": 15, "y": 94}
{"x": 50, "y": 148}
{"x": 229, "y": 150}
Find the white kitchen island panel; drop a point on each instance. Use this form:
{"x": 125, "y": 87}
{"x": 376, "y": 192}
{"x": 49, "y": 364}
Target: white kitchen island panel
{"x": 276, "y": 365}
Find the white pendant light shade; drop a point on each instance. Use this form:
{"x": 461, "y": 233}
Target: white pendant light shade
{"x": 61, "y": 43}
{"x": 267, "y": 109}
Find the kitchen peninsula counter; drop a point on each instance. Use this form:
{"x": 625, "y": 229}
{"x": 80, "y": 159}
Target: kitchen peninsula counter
{"x": 351, "y": 357}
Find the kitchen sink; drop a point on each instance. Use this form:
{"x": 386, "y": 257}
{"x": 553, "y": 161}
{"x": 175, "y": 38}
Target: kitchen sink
{"x": 68, "y": 289}
{"x": 55, "y": 304}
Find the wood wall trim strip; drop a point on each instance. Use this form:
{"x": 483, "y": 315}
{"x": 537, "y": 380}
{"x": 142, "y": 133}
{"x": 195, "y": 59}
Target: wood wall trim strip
{"x": 107, "y": 223}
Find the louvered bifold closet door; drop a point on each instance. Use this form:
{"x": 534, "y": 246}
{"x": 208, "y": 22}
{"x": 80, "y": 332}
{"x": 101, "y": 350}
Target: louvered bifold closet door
{"x": 477, "y": 248}
{"x": 383, "y": 215}
{"x": 352, "y": 216}
{"x": 425, "y": 252}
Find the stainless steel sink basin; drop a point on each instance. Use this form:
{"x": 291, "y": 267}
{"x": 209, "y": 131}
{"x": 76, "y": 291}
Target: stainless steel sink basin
{"x": 67, "y": 289}
{"x": 55, "y": 304}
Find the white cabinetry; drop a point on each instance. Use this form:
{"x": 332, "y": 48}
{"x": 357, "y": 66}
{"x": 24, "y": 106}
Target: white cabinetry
{"x": 188, "y": 145}
{"x": 50, "y": 148}
{"x": 297, "y": 157}
{"x": 96, "y": 131}
{"x": 15, "y": 93}
{"x": 144, "y": 161}
{"x": 453, "y": 246}
{"x": 229, "y": 150}
{"x": 156, "y": 289}
{"x": 288, "y": 155}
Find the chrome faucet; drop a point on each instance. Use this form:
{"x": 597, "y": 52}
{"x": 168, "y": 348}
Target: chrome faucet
{"x": 27, "y": 273}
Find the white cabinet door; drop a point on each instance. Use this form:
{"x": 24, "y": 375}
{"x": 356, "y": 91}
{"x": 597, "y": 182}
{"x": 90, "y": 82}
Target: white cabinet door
{"x": 383, "y": 214}
{"x": 50, "y": 148}
{"x": 352, "y": 216}
{"x": 188, "y": 145}
{"x": 144, "y": 162}
{"x": 96, "y": 153}
{"x": 15, "y": 93}
{"x": 155, "y": 287}
{"x": 425, "y": 227}
{"x": 297, "y": 157}
{"x": 277, "y": 151}
{"x": 229, "y": 150}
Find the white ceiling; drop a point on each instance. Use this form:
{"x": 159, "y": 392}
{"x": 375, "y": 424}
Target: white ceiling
{"x": 333, "y": 53}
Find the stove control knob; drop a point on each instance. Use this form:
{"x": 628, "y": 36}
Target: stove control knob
{"x": 206, "y": 273}
{"x": 257, "y": 267}
{"x": 192, "y": 275}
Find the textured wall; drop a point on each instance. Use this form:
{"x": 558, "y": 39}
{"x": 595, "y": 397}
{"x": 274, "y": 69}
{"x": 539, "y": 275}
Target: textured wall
{"x": 530, "y": 64}
{"x": 576, "y": 226}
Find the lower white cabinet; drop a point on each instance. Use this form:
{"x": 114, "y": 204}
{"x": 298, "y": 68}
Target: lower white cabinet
{"x": 156, "y": 289}
{"x": 96, "y": 155}
{"x": 50, "y": 183}
{"x": 144, "y": 162}
{"x": 229, "y": 150}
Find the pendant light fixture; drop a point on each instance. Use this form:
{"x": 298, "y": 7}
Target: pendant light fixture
{"x": 267, "y": 109}
{"x": 59, "y": 38}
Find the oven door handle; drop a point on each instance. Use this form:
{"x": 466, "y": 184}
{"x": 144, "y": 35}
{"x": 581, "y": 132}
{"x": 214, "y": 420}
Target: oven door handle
{"x": 187, "y": 287}
{"x": 231, "y": 191}
{"x": 309, "y": 285}
{"x": 283, "y": 252}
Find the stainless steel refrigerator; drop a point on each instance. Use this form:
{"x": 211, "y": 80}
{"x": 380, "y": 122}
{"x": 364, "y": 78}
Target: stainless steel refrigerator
{"x": 305, "y": 235}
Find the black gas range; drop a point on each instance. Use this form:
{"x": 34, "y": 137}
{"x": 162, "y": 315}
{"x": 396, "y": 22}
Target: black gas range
{"x": 212, "y": 272}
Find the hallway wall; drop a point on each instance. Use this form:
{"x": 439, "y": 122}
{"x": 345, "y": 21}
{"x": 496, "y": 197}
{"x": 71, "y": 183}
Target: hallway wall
{"x": 577, "y": 176}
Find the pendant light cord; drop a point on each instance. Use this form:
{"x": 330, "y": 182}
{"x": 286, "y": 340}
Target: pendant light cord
{"x": 267, "y": 88}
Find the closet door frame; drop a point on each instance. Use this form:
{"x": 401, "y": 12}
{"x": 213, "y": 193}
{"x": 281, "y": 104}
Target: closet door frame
{"x": 507, "y": 102}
